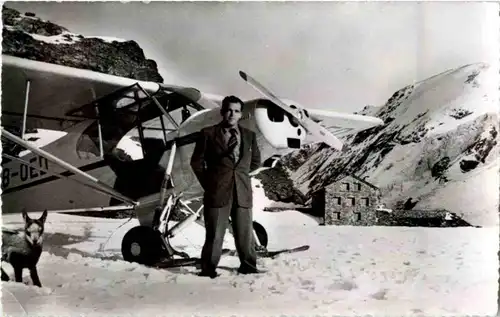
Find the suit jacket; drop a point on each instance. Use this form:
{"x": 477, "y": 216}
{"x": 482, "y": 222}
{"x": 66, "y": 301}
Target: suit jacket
{"x": 216, "y": 171}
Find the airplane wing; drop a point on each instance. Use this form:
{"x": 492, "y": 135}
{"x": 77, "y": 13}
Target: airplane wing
{"x": 48, "y": 92}
{"x": 342, "y": 124}
{"x": 55, "y": 97}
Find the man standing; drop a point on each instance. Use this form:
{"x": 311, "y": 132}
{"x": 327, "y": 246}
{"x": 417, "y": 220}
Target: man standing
{"x": 222, "y": 160}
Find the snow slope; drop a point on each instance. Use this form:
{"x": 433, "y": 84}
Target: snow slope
{"x": 440, "y": 137}
{"x": 348, "y": 270}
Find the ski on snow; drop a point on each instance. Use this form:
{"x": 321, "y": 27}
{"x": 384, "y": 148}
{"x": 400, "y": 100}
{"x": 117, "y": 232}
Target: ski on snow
{"x": 172, "y": 263}
{"x": 270, "y": 254}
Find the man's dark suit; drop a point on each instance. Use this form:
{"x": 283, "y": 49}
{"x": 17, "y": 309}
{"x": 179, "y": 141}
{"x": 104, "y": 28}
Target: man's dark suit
{"x": 223, "y": 180}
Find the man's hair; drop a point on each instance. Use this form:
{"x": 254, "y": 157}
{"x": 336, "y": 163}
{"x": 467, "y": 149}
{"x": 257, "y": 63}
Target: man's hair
{"x": 228, "y": 100}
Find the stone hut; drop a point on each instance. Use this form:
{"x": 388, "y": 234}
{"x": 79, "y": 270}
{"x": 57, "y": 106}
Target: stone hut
{"x": 347, "y": 201}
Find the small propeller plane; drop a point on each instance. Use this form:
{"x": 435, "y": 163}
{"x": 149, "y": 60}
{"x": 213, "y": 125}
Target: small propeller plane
{"x": 124, "y": 144}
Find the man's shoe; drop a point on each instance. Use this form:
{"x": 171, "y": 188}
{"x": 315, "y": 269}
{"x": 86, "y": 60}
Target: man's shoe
{"x": 211, "y": 274}
{"x": 250, "y": 271}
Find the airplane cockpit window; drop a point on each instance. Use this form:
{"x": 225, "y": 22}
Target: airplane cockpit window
{"x": 110, "y": 132}
{"x": 131, "y": 127}
{"x": 123, "y": 102}
{"x": 185, "y": 114}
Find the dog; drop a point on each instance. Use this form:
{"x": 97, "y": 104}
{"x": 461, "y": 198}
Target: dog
{"x": 22, "y": 248}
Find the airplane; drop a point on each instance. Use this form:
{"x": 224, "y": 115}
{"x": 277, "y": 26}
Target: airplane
{"x": 125, "y": 144}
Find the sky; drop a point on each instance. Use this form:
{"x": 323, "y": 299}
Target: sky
{"x": 339, "y": 56}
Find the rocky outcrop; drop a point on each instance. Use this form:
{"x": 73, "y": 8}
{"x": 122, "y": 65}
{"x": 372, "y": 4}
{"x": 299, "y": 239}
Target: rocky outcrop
{"x": 279, "y": 187}
{"x": 27, "y": 36}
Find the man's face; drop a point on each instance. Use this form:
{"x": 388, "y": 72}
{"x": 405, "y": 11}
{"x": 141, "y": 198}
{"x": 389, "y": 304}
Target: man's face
{"x": 233, "y": 114}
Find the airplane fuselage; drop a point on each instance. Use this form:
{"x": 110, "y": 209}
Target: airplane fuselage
{"x": 137, "y": 178}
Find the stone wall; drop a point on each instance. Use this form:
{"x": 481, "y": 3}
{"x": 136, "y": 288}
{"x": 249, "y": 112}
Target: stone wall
{"x": 349, "y": 201}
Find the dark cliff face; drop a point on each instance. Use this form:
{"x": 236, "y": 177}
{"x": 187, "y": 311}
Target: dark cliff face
{"x": 125, "y": 59}
{"x": 279, "y": 187}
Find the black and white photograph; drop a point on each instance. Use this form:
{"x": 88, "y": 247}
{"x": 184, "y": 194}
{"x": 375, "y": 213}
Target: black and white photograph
{"x": 260, "y": 158}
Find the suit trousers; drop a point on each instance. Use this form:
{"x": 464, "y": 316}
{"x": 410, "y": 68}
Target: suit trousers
{"x": 216, "y": 223}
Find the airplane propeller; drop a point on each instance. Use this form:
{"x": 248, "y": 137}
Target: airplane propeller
{"x": 309, "y": 125}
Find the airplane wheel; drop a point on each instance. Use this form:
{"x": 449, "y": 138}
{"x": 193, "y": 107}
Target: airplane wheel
{"x": 143, "y": 245}
{"x": 261, "y": 233}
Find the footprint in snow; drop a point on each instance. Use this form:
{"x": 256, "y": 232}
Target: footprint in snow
{"x": 380, "y": 295}
{"x": 343, "y": 285}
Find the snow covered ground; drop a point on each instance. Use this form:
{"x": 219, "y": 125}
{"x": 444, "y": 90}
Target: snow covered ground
{"x": 348, "y": 270}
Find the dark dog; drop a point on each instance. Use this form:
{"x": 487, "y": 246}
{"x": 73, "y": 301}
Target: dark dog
{"x": 22, "y": 249}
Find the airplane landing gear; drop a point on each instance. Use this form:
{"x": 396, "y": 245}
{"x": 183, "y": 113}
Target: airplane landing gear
{"x": 142, "y": 244}
{"x": 150, "y": 245}
{"x": 261, "y": 235}
{"x": 146, "y": 245}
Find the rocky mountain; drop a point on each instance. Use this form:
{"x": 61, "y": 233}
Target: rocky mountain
{"x": 27, "y": 36}
{"x": 438, "y": 146}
